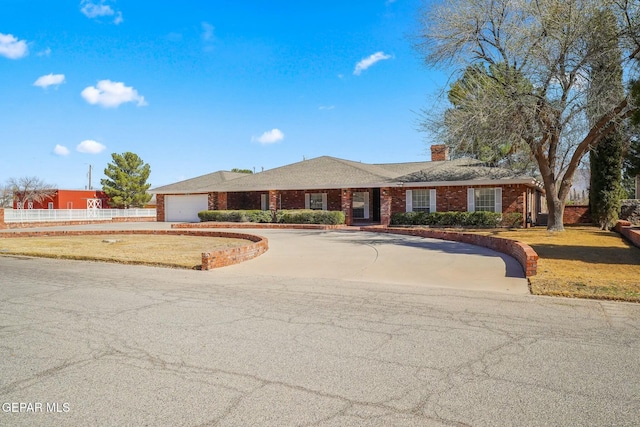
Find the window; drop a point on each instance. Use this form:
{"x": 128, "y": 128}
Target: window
{"x": 315, "y": 201}
{"x": 485, "y": 199}
{"x": 50, "y": 205}
{"x": 263, "y": 202}
{"x": 421, "y": 200}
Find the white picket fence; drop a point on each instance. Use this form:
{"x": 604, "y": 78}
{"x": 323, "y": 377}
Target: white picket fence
{"x": 44, "y": 215}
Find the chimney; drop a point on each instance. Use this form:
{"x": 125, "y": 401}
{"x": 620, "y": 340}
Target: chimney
{"x": 439, "y": 153}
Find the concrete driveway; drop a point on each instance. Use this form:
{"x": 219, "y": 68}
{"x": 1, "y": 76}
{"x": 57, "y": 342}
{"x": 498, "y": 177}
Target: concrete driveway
{"x": 383, "y": 258}
{"x": 369, "y": 257}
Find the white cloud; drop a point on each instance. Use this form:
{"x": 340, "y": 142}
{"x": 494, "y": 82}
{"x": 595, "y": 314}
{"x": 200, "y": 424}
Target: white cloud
{"x": 46, "y": 52}
{"x": 99, "y": 9}
{"x": 369, "y": 61}
{"x": 207, "y": 31}
{"x": 118, "y": 19}
{"x": 269, "y": 137}
{"x": 111, "y": 94}
{"x": 11, "y": 47}
{"x": 49, "y": 80}
{"x": 326, "y": 107}
{"x": 61, "y": 150}
{"x": 94, "y": 10}
{"x": 90, "y": 146}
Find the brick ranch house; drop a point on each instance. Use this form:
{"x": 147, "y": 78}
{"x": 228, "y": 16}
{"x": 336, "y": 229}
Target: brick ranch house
{"x": 366, "y": 193}
{"x": 66, "y": 199}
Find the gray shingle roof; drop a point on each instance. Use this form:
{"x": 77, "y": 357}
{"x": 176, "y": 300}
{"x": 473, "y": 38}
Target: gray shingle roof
{"x": 199, "y": 184}
{"x": 329, "y": 172}
{"x": 459, "y": 170}
{"x": 320, "y": 172}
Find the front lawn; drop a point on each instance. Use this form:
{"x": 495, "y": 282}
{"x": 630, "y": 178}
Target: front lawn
{"x": 162, "y": 250}
{"x": 581, "y": 262}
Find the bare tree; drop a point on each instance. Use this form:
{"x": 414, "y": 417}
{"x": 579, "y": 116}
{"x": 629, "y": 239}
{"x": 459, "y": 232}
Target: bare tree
{"x": 550, "y": 44}
{"x": 30, "y": 189}
{"x": 6, "y": 196}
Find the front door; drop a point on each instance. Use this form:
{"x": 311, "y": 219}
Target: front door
{"x": 360, "y": 205}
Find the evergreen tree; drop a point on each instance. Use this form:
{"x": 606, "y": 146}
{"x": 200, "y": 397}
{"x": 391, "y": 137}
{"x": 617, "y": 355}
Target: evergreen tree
{"x": 606, "y": 158}
{"x": 127, "y": 185}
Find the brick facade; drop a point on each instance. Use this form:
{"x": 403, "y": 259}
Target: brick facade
{"x": 346, "y": 199}
{"x": 160, "y": 207}
{"x": 577, "y": 214}
{"x": 386, "y": 205}
{"x": 392, "y": 200}
{"x": 454, "y": 198}
{"x": 284, "y": 199}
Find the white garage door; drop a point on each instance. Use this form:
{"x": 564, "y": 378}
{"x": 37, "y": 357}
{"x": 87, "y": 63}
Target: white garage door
{"x": 184, "y": 208}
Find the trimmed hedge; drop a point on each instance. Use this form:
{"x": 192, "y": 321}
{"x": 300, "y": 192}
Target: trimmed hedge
{"x": 308, "y": 216}
{"x": 448, "y": 219}
{"x": 297, "y": 216}
{"x": 236, "y": 216}
{"x": 512, "y": 220}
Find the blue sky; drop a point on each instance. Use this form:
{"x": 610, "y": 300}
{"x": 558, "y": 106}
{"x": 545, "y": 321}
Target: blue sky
{"x": 195, "y": 87}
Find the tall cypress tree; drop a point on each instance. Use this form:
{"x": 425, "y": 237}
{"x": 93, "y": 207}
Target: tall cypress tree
{"x": 606, "y": 159}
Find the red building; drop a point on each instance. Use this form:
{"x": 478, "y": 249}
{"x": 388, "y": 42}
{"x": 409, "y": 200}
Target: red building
{"x": 67, "y": 199}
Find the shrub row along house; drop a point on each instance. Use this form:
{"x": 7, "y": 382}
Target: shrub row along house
{"x": 366, "y": 193}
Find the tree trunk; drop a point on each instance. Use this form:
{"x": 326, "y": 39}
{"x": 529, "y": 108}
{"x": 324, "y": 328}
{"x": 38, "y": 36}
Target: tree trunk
{"x": 555, "y": 203}
{"x": 556, "y": 214}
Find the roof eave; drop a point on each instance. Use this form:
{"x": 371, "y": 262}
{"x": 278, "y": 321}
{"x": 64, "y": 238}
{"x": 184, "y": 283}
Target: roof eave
{"x": 530, "y": 182}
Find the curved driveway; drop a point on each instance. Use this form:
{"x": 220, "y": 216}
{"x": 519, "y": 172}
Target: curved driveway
{"x": 369, "y": 257}
{"x": 382, "y": 258}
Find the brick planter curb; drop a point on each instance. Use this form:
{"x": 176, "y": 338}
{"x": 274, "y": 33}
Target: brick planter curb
{"x": 523, "y": 253}
{"x": 210, "y": 260}
{"x": 259, "y": 225}
{"x": 631, "y": 234}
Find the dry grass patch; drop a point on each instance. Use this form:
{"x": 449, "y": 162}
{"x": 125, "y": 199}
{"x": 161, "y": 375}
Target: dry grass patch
{"x": 164, "y": 250}
{"x": 581, "y": 262}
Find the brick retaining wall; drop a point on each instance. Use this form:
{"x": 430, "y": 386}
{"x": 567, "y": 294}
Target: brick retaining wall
{"x": 522, "y": 252}
{"x": 577, "y": 214}
{"x": 210, "y": 260}
{"x": 632, "y": 234}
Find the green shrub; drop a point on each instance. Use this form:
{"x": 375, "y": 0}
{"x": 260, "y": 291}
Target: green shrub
{"x": 297, "y": 216}
{"x": 308, "y": 216}
{"x": 447, "y": 219}
{"x": 483, "y": 219}
{"x": 512, "y": 220}
{"x": 235, "y": 216}
{"x": 258, "y": 216}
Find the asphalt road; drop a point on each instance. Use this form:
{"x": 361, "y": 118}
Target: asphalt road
{"x": 106, "y": 344}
